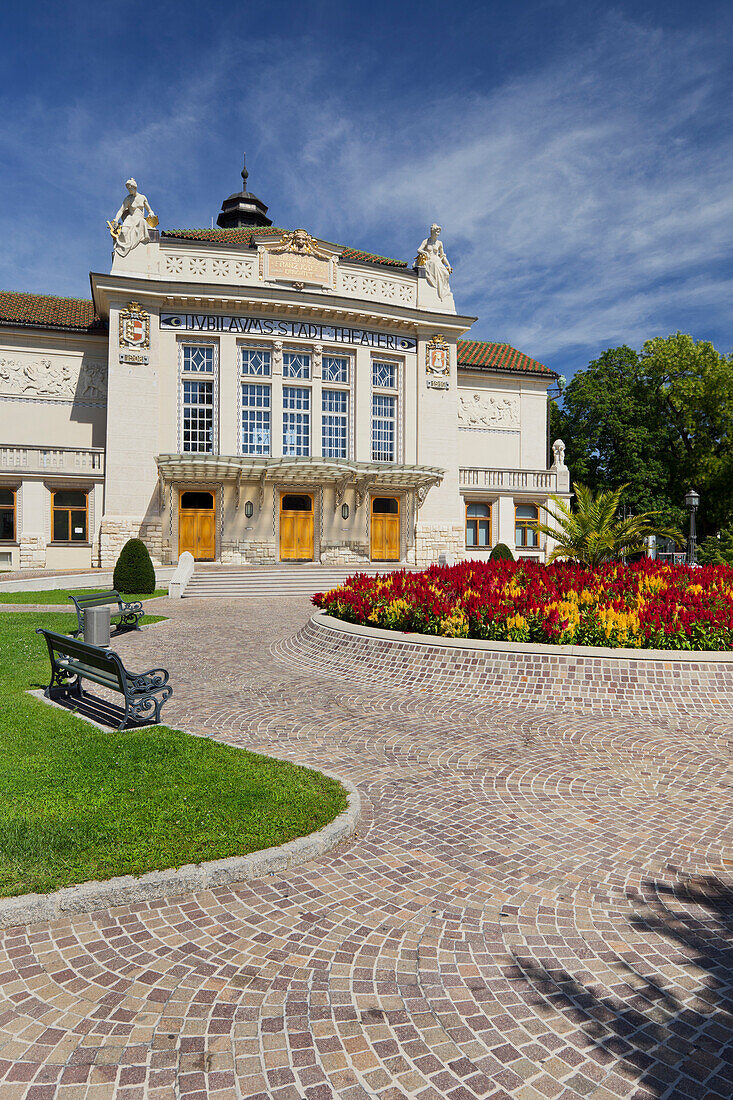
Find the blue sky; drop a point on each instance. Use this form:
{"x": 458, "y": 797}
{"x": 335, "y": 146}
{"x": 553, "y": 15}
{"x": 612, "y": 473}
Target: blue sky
{"x": 579, "y": 156}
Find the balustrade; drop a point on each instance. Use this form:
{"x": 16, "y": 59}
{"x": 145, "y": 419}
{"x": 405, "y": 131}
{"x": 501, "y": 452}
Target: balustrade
{"x": 64, "y": 460}
{"x": 473, "y": 477}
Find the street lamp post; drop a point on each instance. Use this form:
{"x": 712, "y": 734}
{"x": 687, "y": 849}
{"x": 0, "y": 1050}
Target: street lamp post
{"x": 692, "y": 500}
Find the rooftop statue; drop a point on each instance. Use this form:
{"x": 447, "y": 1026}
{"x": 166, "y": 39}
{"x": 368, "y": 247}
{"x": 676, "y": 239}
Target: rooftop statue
{"x": 558, "y": 453}
{"x": 432, "y": 259}
{"x": 131, "y": 226}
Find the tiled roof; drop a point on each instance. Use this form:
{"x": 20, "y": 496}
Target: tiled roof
{"x": 47, "y": 311}
{"x": 244, "y": 237}
{"x": 502, "y": 357}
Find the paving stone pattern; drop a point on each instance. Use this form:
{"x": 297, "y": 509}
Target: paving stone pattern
{"x": 538, "y": 904}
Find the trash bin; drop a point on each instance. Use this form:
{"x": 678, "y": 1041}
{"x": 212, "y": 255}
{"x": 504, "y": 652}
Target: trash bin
{"x": 96, "y": 625}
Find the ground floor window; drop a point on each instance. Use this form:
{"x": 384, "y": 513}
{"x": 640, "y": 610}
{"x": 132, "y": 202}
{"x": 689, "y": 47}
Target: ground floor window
{"x": 526, "y": 516}
{"x": 7, "y": 515}
{"x": 478, "y": 524}
{"x": 70, "y": 515}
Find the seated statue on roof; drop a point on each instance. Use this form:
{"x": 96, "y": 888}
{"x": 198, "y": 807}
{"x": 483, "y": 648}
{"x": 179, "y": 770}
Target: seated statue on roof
{"x": 131, "y": 226}
{"x": 432, "y": 259}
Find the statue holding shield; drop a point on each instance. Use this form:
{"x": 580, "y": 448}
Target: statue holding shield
{"x": 131, "y": 225}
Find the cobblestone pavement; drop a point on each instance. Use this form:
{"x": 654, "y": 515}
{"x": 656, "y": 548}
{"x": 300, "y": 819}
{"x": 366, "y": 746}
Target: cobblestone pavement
{"x": 537, "y": 904}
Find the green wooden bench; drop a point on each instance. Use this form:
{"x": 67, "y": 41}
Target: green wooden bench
{"x": 129, "y": 613}
{"x": 73, "y": 660}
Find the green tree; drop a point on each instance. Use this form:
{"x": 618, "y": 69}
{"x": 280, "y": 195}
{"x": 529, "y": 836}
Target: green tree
{"x": 593, "y": 532}
{"x": 660, "y": 420}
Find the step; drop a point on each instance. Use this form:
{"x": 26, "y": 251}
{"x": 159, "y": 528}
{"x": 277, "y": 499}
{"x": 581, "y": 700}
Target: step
{"x": 286, "y": 580}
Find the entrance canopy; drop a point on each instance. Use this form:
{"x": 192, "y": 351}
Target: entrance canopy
{"x": 300, "y": 470}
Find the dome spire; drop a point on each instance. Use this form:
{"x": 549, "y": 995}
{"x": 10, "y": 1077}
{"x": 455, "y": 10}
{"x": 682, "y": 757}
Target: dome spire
{"x": 243, "y": 208}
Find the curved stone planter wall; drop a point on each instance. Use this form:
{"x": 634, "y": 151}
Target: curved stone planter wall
{"x": 654, "y": 682}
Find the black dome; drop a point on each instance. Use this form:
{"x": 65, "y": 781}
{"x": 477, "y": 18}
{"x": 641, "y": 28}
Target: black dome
{"x": 243, "y": 208}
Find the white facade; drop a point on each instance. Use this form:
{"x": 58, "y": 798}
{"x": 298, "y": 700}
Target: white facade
{"x": 310, "y": 398}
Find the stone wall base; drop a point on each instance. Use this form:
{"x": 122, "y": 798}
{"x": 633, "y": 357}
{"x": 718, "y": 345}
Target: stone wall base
{"x": 248, "y": 553}
{"x": 345, "y": 553}
{"x": 434, "y": 539}
{"x": 115, "y": 531}
{"x": 32, "y": 550}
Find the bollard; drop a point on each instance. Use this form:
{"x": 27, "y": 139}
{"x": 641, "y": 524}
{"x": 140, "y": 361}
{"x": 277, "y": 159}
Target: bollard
{"x": 96, "y": 626}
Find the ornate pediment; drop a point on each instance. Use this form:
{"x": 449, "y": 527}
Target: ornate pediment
{"x": 297, "y": 259}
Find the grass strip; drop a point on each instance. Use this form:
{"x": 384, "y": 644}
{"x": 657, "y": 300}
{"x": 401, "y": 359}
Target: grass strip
{"x": 61, "y": 596}
{"x": 79, "y": 803}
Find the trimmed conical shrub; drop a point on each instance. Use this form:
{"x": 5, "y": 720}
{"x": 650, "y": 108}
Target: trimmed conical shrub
{"x": 501, "y": 552}
{"x": 134, "y": 571}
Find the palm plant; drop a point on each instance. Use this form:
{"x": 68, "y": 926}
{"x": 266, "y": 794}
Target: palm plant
{"x": 593, "y": 532}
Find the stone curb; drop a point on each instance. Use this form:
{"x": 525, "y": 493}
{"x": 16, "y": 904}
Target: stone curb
{"x": 325, "y": 621}
{"x": 129, "y": 890}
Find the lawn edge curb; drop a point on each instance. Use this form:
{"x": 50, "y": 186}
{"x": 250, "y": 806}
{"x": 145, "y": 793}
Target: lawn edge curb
{"x": 87, "y": 897}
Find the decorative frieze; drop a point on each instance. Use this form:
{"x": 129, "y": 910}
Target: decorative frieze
{"x": 378, "y": 288}
{"x": 482, "y": 411}
{"x": 211, "y": 268}
{"x": 78, "y": 380}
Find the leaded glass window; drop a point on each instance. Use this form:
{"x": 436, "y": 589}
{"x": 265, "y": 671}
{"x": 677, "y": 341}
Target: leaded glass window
{"x": 255, "y": 420}
{"x": 384, "y": 375}
{"x": 198, "y": 416}
{"x": 198, "y": 358}
{"x": 296, "y": 420}
{"x": 334, "y": 423}
{"x": 335, "y": 368}
{"x": 296, "y": 364}
{"x": 256, "y": 361}
{"x": 384, "y": 425}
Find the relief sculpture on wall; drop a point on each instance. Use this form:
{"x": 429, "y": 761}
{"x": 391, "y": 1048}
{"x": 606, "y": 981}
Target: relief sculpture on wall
{"x": 481, "y": 410}
{"x": 50, "y": 378}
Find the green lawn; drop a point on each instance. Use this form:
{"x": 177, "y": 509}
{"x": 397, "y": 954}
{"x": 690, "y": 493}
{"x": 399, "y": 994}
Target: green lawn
{"x": 80, "y": 803}
{"x": 61, "y": 595}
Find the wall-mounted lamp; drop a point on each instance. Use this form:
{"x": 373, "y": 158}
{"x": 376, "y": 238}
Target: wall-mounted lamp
{"x": 345, "y": 511}
{"x": 249, "y": 509}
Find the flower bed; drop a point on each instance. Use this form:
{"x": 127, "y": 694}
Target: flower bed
{"x": 644, "y": 605}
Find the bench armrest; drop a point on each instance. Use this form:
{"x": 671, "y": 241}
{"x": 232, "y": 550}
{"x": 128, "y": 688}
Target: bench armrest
{"x": 151, "y": 680}
{"x": 131, "y": 607}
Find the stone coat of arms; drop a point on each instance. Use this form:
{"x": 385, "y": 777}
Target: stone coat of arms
{"x": 437, "y": 362}
{"x": 134, "y": 327}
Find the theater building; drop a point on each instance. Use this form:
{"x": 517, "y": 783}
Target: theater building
{"x": 258, "y": 395}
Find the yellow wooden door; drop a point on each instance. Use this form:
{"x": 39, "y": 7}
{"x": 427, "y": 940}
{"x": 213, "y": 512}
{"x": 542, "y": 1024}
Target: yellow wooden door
{"x": 205, "y": 536}
{"x": 197, "y": 525}
{"x": 296, "y": 527}
{"x": 187, "y": 532}
{"x": 385, "y": 529}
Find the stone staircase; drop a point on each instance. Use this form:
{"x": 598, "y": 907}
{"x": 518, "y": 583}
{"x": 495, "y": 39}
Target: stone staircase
{"x": 276, "y": 580}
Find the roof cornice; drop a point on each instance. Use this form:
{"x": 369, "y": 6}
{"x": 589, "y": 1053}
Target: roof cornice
{"x": 215, "y": 296}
